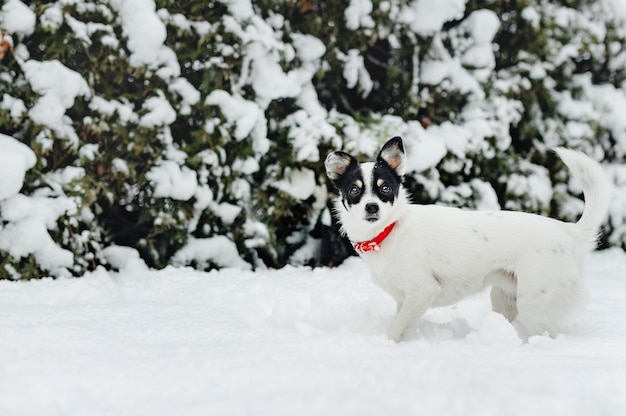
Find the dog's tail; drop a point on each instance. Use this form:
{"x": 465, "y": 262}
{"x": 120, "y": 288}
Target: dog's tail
{"x": 596, "y": 189}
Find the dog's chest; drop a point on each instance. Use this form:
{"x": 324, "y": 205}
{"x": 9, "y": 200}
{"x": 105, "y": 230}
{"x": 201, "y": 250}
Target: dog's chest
{"x": 392, "y": 267}
{"x": 384, "y": 276}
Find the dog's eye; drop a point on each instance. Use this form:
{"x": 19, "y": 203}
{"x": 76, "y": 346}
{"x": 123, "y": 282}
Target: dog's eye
{"x": 385, "y": 188}
{"x": 354, "y": 191}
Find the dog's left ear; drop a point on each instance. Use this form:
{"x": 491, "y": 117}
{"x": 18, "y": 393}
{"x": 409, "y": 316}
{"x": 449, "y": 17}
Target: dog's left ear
{"x": 336, "y": 164}
{"x": 392, "y": 153}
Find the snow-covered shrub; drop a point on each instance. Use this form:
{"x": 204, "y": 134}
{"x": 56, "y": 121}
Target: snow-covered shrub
{"x": 194, "y": 130}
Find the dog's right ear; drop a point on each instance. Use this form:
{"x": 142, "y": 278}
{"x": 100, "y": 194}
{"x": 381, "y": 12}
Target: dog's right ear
{"x": 393, "y": 154}
{"x": 336, "y": 164}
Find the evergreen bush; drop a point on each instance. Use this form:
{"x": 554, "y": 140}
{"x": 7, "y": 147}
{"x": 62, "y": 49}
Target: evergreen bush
{"x": 194, "y": 132}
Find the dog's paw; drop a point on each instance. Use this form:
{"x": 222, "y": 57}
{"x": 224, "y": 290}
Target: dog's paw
{"x": 395, "y": 335}
{"x": 521, "y": 330}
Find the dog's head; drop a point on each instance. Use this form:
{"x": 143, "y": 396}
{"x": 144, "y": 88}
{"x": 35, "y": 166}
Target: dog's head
{"x": 372, "y": 195}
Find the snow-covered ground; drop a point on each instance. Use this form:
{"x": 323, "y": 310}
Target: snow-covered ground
{"x": 294, "y": 341}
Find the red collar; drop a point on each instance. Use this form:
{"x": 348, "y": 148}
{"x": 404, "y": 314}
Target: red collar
{"x": 374, "y": 243}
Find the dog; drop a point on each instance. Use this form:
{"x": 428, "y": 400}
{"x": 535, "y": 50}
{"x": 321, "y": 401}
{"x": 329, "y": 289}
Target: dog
{"x": 428, "y": 256}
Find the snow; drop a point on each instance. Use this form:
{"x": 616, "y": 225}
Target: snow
{"x": 533, "y": 178}
{"x": 449, "y": 70}
{"x": 16, "y": 17}
{"x": 531, "y": 15}
{"x": 240, "y": 9}
{"x": 58, "y": 86}
{"x": 267, "y": 78}
{"x": 309, "y": 48}
{"x": 121, "y": 257}
{"x": 608, "y": 103}
{"x": 172, "y": 180}
{"x": 357, "y": 14}
{"x": 299, "y": 183}
{"x": 84, "y": 31}
{"x": 430, "y": 146}
{"x": 426, "y": 17}
{"x": 487, "y": 199}
{"x": 227, "y": 212}
{"x": 146, "y": 34}
{"x": 482, "y": 25}
{"x": 124, "y": 111}
{"x": 15, "y": 106}
{"x": 15, "y": 159}
{"x": 295, "y": 341}
{"x": 28, "y": 219}
{"x": 617, "y": 172}
{"x": 159, "y": 112}
{"x": 425, "y": 153}
{"x": 218, "y": 250}
{"x": 619, "y": 8}
{"x": 355, "y": 73}
{"x": 246, "y": 117}
{"x": 52, "y": 17}
{"x": 189, "y": 94}
{"x": 305, "y": 133}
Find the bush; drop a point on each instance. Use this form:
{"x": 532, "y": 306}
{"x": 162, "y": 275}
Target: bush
{"x": 194, "y": 132}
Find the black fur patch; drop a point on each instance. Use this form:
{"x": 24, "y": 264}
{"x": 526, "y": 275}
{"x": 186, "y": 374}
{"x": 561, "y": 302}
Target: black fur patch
{"x": 347, "y": 175}
{"x": 385, "y": 182}
{"x": 350, "y": 184}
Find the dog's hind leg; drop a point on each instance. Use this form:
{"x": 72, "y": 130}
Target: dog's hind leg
{"x": 504, "y": 302}
{"x": 416, "y": 302}
{"x": 546, "y": 297}
{"x": 504, "y": 293}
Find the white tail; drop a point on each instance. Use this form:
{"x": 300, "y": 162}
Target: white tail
{"x": 596, "y": 189}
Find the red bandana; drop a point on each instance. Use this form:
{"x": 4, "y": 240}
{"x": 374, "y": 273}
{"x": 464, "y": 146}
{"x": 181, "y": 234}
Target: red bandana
{"x": 374, "y": 243}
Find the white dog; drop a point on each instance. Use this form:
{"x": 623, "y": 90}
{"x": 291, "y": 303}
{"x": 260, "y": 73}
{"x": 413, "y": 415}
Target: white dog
{"x": 427, "y": 255}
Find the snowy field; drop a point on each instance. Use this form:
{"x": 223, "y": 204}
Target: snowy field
{"x": 295, "y": 341}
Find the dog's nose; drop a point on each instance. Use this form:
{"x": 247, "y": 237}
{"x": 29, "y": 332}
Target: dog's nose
{"x": 371, "y": 208}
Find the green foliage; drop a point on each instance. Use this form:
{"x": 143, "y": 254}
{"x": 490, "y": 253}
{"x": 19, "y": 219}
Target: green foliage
{"x": 352, "y": 85}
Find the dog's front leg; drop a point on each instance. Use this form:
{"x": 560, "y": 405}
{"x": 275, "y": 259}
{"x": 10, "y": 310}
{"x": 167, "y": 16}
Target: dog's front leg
{"x": 416, "y": 302}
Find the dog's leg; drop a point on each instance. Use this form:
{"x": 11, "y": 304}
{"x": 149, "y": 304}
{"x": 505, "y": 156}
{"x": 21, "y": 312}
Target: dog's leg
{"x": 547, "y": 293}
{"x": 395, "y": 293}
{"x": 399, "y": 297}
{"x": 416, "y": 302}
{"x": 504, "y": 302}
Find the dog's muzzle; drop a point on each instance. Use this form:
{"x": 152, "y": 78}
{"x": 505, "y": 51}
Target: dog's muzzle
{"x": 371, "y": 212}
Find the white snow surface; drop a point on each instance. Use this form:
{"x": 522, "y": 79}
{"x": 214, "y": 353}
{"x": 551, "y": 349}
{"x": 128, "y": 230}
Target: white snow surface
{"x": 295, "y": 341}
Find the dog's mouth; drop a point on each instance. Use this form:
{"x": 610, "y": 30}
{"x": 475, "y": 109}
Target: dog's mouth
{"x": 371, "y": 217}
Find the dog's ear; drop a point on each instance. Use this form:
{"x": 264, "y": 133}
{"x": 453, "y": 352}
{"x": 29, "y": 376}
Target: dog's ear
{"x": 392, "y": 153}
{"x": 336, "y": 164}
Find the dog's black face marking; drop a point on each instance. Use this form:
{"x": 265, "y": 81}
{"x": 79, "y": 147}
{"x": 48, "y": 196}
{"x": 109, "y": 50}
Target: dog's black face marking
{"x": 388, "y": 171}
{"x": 385, "y": 182}
{"x": 347, "y": 176}
{"x": 374, "y": 187}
